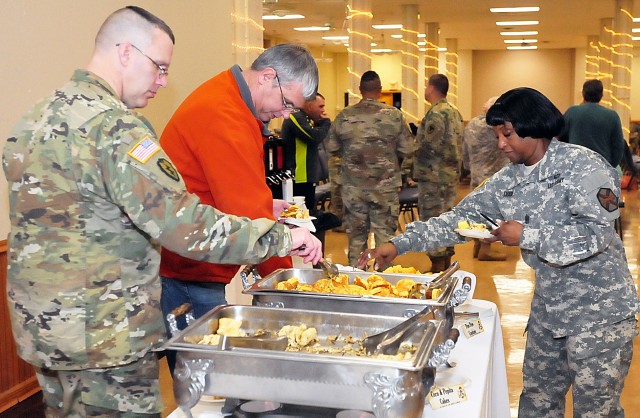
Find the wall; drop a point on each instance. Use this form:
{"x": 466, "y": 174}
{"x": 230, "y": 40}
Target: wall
{"x": 44, "y": 44}
{"x": 551, "y": 71}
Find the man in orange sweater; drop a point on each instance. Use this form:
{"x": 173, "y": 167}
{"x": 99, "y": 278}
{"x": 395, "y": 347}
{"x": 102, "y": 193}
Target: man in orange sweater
{"x": 215, "y": 139}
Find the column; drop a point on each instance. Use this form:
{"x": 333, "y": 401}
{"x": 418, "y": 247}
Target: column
{"x": 622, "y": 58}
{"x": 431, "y": 59}
{"x": 247, "y": 31}
{"x": 452, "y": 70}
{"x": 605, "y": 73}
{"x": 592, "y": 68}
{"x": 359, "y": 16}
{"x": 410, "y": 63}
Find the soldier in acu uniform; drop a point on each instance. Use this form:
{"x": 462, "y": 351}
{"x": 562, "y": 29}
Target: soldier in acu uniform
{"x": 436, "y": 164}
{"x": 369, "y": 141}
{"x": 92, "y": 197}
{"x": 558, "y": 203}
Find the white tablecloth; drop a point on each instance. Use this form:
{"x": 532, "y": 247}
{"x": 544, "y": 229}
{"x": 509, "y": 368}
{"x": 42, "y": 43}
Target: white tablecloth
{"x": 480, "y": 365}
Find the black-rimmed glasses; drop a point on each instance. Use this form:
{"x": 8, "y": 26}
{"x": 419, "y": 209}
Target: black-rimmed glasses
{"x": 162, "y": 70}
{"x": 285, "y": 105}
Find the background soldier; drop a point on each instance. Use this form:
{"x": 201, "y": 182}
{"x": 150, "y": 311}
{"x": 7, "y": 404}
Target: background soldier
{"x": 436, "y": 163}
{"x": 370, "y": 139}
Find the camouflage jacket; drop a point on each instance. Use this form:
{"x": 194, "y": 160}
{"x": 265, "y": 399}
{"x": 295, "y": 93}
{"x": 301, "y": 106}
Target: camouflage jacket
{"x": 480, "y": 151}
{"x": 567, "y": 205}
{"x": 92, "y": 197}
{"x": 368, "y": 140}
{"x": 439, "y": 145}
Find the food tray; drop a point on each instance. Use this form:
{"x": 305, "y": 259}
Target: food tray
{"x": 389, "y": 388}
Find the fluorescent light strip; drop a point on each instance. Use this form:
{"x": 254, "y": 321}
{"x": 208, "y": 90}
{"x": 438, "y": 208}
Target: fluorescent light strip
{"x": 380, "y": 50}
{"x": 518, "y": 23}
{"x": 276, "y": 17}
{"x": 635, "y": 38}
{"x": 336, "y": 38}
{"x": 439, "y": 49}
{"x": 312, "y": 28}
{"x": 520, "y": 41}
{"x": 395, "y": 26}
{"x": 514, "y": 9}
{"x": 522, "y": 47}
{"x": 521, "y": 33}
{"x": 422, "y": 35}
{"x": 396, "y": 36}
{"x": 635, "y": 30}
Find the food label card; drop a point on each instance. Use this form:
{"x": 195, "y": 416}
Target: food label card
{"x": 440, "y": 397}
{"x": 472, "y": 328}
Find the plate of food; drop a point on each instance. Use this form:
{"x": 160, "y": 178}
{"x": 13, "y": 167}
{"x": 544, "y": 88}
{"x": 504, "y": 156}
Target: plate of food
{"x": 473, "y": 230}
{"x": 298, "y": 216}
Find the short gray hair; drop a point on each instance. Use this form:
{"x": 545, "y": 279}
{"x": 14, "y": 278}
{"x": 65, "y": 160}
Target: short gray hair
{"x": 292, "y": 63}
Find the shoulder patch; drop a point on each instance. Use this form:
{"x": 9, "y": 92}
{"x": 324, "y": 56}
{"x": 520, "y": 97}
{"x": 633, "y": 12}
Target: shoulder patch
{"x": 168, "y": 168}
{"x": 144, "y": 149}
{"x": 608, "y": 200}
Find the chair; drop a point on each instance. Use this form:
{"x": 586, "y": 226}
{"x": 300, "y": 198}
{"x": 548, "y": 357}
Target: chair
{"x": 408, "y": 198}
{"x": 323, "y": 196}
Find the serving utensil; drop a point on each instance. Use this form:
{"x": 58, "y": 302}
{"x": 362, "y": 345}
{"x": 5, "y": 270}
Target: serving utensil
{"x": 329, "y": 268}
{"x": 388, "y": 342}
{"x": 494, "y": 223}
{"x": 263, "y": 342}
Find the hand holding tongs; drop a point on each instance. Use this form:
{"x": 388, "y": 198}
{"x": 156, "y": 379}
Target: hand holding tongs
{"x": 389, "y": 341}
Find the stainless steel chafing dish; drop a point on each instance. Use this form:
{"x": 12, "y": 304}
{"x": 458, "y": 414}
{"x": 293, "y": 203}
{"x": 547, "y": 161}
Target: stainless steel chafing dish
{"x": 388, "y": 388}
{"x": 265, "y": 294}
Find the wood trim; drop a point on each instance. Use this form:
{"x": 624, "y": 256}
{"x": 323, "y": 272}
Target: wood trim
{"x": 17, "y": 379}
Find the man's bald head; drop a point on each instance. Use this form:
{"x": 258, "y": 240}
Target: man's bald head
{"x": 130, "y": 24}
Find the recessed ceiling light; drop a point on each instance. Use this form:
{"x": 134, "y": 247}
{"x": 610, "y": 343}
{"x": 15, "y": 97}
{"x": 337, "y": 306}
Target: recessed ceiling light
{"x": 336, "y": 38}
{"x": 635, "y": 30}
{"x": 521, "y": 33}
{"x": 396, "y": 36}
{"x": 442, "y": 49}
{"x": 522, "y": 47}
{"x": 520, "y": 41}
{"x": 312, "y": 28}
{"x": 380, "y": 50}
{"x": 422, "y": 43}
{"x": 278, "y": 17}
{"x": 514, "y": 9}
{"x": 422, "y": 35}
{"x": 386, "y": 26}
{"x": 518, "y": 23}
{"x": 374, "y": 44}
{"x": 635, "y": 38}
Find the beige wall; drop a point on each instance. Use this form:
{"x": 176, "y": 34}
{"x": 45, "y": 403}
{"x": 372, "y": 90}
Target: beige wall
{"x": 44, "y": 43}
{"x": 550, "y": 71}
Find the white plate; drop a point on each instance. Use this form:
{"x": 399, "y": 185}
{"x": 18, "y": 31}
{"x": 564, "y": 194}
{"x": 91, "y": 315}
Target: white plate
{"x": 212, "y": 399}
{"x": 474, "y": 233}
{"x": 303, "y": 222}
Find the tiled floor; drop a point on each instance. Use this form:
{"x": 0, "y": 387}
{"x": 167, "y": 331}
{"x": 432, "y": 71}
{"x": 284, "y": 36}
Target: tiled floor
{"x": 509, "y": 284}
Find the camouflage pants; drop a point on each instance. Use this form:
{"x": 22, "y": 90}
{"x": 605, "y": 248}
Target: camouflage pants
{"x": 128, "y": 391}
{"x": 433, "y": 200}
{"x": 596, "y": 363}
{"x": 337, "y": 206}
{"x": 368, "y": 210}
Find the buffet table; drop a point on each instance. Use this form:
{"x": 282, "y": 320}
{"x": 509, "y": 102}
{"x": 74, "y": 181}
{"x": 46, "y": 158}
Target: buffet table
{"x": 479, "y": 366}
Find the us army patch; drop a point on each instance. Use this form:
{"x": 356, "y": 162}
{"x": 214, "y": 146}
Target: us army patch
{"x": 608, "y": 199}
{"x": 167, "y": 168}
{"x": 144, "y": 149}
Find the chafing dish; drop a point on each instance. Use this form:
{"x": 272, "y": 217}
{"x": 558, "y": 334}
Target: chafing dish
{"x": 388, "y": 388}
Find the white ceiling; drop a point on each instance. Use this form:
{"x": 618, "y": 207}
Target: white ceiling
{"x": 563, "y": 23}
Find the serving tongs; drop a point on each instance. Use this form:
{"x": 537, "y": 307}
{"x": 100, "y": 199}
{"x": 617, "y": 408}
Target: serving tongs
{"x": 420, "y": 290}
{"x": 329, "y": 269}
{"x": 388, "y": 342}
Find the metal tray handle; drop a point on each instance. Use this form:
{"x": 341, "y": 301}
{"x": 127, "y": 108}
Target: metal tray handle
{"x": 440, "y": 354}
{"x": 249, "y": 269}
{"x": 172, "y": 317}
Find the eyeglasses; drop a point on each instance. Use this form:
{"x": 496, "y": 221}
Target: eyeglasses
{"x": 162, "y": 70}
{"x": 285, "y": 105}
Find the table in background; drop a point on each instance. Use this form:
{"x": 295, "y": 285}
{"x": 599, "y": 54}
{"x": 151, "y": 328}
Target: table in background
{"x": 480, "y": 363}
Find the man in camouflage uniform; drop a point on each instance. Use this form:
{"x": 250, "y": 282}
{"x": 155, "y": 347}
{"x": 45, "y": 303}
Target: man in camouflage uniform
{"x": 558, "y": 203}
{"x": 92, "y": 197}
{"x": 370, "y": 139}
{"x": 436, "y": 163}
{"x": 483, "y": 158}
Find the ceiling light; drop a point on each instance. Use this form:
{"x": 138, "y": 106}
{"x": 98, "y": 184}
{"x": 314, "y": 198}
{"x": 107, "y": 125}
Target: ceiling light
{"x": 380, "y": 50}
{"x": 635, "y": 30}
{"x": 520, "y": 41}
{"x": 336, "y": 38}
{"x": 422, "y": 35}
{"x": 521, "y": 33}
{"x": 396, "y": 36}
{"x": 374, "y": 44}
{"x": 278, "y": 17}
{"x": 312, "y": 28}
{"x": 635, "y": 38}
{"x": 442, "y": 49}
{"x": 386, "y": 26}
{"x": 422, "y": 43}
{"x": 514, "y": 9}
{"x": 522, "y": 47}
{"x": 518, "y": 23}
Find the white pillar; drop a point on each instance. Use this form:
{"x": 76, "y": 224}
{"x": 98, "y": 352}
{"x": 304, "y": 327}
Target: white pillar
{"x": 605, "y": 73}
{"x": 431, "y": 54}
{"x": 622, "y": 58}
{"x": 247, "y": 31}
{"x": 452, "y": 71}
{"x": 410, "y": 63}
{"x": 592, "y": 63}
{"x": 359, "y": 16}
